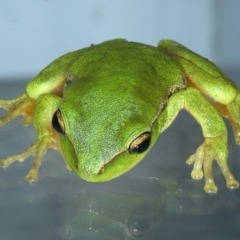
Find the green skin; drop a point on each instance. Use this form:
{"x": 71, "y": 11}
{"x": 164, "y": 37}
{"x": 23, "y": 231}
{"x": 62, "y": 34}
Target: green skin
{"x": 111, "y": 93}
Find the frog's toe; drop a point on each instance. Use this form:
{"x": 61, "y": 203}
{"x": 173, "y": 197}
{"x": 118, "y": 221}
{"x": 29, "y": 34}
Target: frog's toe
{"x": 232, "y": 183}
{"x": 4, "y": 163}
{"x": 237, "y": 138}
{"x": 236, "y": 130}
{"x": 197, "y": 161}
{"x": 197, "y": 174}
{"x": 27, "y": 120}
{"x": 32, "y": 176}
{"x": 210, "y": 187}
{"x": 190, "y": 160}
{"x": 23, "y": 105}
{"x": 9, "y": 160}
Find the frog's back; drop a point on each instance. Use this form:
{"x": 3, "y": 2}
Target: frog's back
{"x": 135, "y": 60}
{"x": 129, "y": 64}
{"x": 122, "y": 80}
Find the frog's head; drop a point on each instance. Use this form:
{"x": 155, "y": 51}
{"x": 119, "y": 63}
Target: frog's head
{"x": 106, "y": 129}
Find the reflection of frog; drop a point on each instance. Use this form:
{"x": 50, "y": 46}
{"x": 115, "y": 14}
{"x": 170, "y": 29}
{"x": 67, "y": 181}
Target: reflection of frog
{"x": 107, "y": 215}
{"x": 135, "y": 212}
{"x": 103, "y": 107}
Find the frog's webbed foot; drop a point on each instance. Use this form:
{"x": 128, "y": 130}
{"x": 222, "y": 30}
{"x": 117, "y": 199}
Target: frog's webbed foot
{"x": 212, "y": 148}
{"x": 32, "y": 176}
{"x": 38, "y": 150}
{"x": 23, "y": 105}
{"x": 47, "y": 137}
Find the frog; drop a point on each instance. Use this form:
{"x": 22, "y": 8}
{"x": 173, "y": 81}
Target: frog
{"x": 104, "y": 106}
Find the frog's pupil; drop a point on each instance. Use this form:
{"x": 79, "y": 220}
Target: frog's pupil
{"x": 56, "y": 124}
{"x": 141, "y": 146}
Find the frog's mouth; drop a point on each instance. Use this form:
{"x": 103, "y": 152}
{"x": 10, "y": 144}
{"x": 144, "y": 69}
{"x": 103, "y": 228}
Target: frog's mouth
{"x": 97, "y": 165}
{"x": 119, "y": 164}
{"x": 98, "y": 174}
{"x": 105, "y": 168}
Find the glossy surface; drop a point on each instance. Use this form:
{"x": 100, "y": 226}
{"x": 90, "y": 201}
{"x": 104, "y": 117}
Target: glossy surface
{"x": 48, "y": 202}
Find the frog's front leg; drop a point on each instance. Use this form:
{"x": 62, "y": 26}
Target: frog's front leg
{"x": 22, "y": 105}
{"x": 214, "y": 131}
{"x": 46, "y": 105}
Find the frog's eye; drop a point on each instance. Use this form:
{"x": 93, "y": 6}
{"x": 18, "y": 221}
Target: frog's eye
{"x": 141, "y": 143}
{"x": 57, "y": 122}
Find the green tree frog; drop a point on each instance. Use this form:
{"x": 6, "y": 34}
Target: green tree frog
{"x": 104, "y": 106}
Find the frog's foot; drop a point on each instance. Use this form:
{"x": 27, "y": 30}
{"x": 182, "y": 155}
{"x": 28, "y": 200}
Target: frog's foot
{"x": 212, "y": 148}
{"x": 38, "y": 150}
{"x": 21, "y": 157}
{"x": 23, "y": 105}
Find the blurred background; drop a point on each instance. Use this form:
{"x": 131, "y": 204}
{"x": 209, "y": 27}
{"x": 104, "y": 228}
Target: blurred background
{"x": 62, "y": 206}
{"x": 33, "y": 33}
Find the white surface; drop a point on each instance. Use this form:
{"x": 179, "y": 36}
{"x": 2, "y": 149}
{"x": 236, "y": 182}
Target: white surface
{"x": 33, "y": 33}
